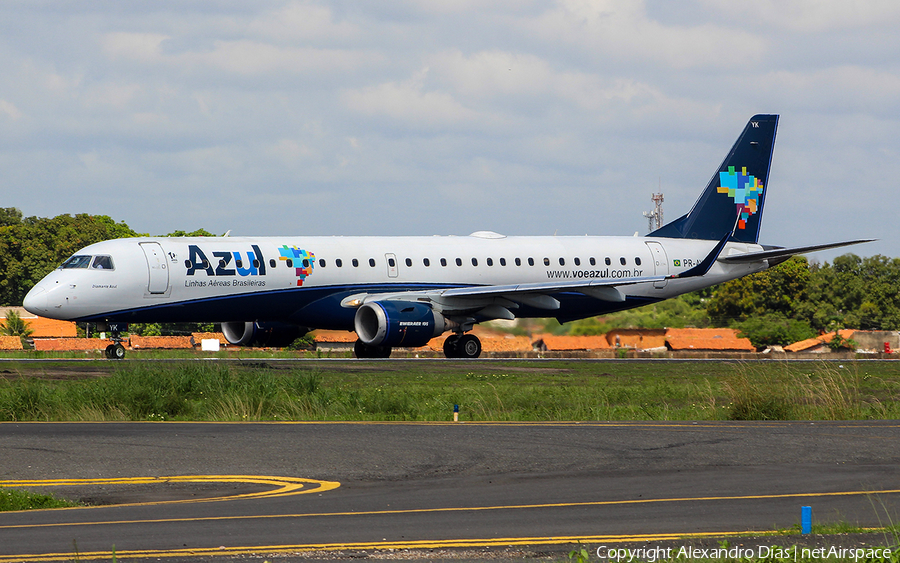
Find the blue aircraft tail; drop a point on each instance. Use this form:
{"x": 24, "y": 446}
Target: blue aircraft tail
{"x": 736, "y": 192}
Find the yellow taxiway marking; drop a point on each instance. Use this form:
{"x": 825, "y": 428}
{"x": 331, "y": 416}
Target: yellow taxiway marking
{"x": 447, "y": 509}
{"x": 282, "y": 486}
{"x": 382, "y": 545}
{"x": 295, "y": 486}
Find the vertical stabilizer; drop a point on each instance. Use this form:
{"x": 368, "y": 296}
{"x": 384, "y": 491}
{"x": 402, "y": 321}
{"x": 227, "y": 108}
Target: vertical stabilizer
{"x": 737, "y": 191}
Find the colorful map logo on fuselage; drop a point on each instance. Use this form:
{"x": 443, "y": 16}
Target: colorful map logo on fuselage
{"x": 744, "y": 189}
{"x": 301, "y": 260}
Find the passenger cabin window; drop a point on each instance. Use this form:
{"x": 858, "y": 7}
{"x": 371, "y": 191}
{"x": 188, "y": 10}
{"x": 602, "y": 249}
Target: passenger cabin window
{"x": 426, "y": 261}
{"x": 459, "y": 261}
{"x": 593, "y": 261}
{"x": 305, "y": 263}
{"x": 637, "y": 260}
{"x": 562, "y": 261}
{"x": 503, "y": 261}
{"x": 474, "y": 261}
{"x": 321, "y": 262}
{"x": 338, "y": 262}
{"x": 408, "y": 263}
{"x": 531, "y": 261}
{"x": 578, "y": 261}
{"x": 372, "y": 262}
{"x": 490, "y": 261}
{"x": 443, "y": 261}
{"x": 622, "y": 261}
{"x": 608, "y": 261}
{"x": 518, "y": 261}
{"x": 272, "y": 263}
{"x": 290, "y": 263}
{"x": 355, "y": 263}
{"x": 546, "y": 261}
{"x": 391, "y": 263}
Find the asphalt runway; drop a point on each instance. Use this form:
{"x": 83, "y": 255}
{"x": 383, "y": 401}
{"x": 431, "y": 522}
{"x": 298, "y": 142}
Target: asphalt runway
{"x": 207, "y": 490}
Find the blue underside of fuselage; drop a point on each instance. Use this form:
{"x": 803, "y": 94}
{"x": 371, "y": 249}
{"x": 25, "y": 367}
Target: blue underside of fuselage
{"x": 320, "y": 307}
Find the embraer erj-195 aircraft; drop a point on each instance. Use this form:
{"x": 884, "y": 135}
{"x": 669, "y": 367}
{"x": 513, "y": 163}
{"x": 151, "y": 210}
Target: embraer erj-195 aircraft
{"x": 403, "y": 291}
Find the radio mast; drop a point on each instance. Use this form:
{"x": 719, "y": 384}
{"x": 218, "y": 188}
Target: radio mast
{"x": 655, "y": 217}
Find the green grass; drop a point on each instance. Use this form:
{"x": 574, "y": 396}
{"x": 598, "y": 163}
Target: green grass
{"x": 427, "y": 390}
{"x": 16, "y": 499}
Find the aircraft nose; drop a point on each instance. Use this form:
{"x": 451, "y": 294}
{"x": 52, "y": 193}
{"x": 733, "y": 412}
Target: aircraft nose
{"x": 36, "y": 300}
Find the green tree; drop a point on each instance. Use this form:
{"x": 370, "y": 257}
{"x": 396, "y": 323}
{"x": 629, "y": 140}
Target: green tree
{"x": 780, "y": 290}
{"x": 32, "y": 248}
{"x": 775, "y": 329}
{"x": 197, "y": 233}
{"x": 16, "y": 326}
{"x": 10, "y": 216}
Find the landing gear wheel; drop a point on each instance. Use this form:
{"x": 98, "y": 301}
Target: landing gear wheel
{"x": 115, "y": 351}
{"x": 363, "y": 350}
{"x": 468, "y": 346}
{"x": 450, "y": 346}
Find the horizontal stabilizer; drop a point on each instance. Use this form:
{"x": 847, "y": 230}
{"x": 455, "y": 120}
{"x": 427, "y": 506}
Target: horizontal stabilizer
{"x": 786, "y": 252}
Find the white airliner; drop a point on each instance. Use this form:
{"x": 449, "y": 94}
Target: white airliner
{"x": 403, "y": 291}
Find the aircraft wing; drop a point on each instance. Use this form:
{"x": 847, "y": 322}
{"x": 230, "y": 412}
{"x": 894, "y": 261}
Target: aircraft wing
{"x": 785, "y": 253}
{"x": 495, "y": 301}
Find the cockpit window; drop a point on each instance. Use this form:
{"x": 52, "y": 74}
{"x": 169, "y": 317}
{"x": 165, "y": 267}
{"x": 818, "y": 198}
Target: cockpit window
{"x": 102, "y": 263}
{"x": 76, "y": 262}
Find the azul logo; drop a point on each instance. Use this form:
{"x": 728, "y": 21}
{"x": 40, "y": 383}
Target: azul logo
{"x": 301, "y": 260}
{"x": 249, "y": 263}
{"x": 744, "y": 189}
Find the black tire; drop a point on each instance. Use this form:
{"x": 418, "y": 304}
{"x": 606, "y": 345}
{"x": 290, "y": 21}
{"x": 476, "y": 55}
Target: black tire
{"x": 451, "y": 349}
{"x": 468, "y": 346}
{"x": 115, "y": 352}
{"x": 363, "y": 351}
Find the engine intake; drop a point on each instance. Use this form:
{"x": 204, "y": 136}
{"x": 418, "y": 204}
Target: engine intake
{"x": 398, "y": 323}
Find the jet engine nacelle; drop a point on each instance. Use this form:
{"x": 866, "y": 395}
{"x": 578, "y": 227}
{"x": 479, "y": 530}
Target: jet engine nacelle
{"x": 398, "y": 323}
{"x": 276, "y": 335}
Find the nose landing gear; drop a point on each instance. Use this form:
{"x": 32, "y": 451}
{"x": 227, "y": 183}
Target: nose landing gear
{"x": 114, "y": 351}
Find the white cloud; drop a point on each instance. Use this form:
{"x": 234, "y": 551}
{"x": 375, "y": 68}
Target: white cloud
{"x": 302, "y": 22}
{"x": 810, "y": 16}
{"x": 142, "y": 47}
{"x": 10, "y": 110}
{"x": 410, "y": 103}
{"x": 613, "y": 33}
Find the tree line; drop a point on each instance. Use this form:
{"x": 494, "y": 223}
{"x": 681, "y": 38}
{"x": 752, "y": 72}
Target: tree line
{"x": 792, "y": 301}
{"x": 795, "y": 300}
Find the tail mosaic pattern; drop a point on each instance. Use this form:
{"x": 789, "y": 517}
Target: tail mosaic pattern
{"x": 744, "y": 189}
{"x": 302, "y": 260}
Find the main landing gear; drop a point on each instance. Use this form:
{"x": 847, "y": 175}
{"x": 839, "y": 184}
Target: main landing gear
{"x": 362, "y": 350}
{"x": 462, "y": 346}
{"x": 455, "y": 346}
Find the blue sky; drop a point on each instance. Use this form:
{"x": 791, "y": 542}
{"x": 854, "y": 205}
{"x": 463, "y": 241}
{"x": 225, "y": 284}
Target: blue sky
{"x": 403, "y": 117}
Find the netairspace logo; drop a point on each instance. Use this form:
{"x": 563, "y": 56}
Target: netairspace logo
{"x": 793, "y": 553}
